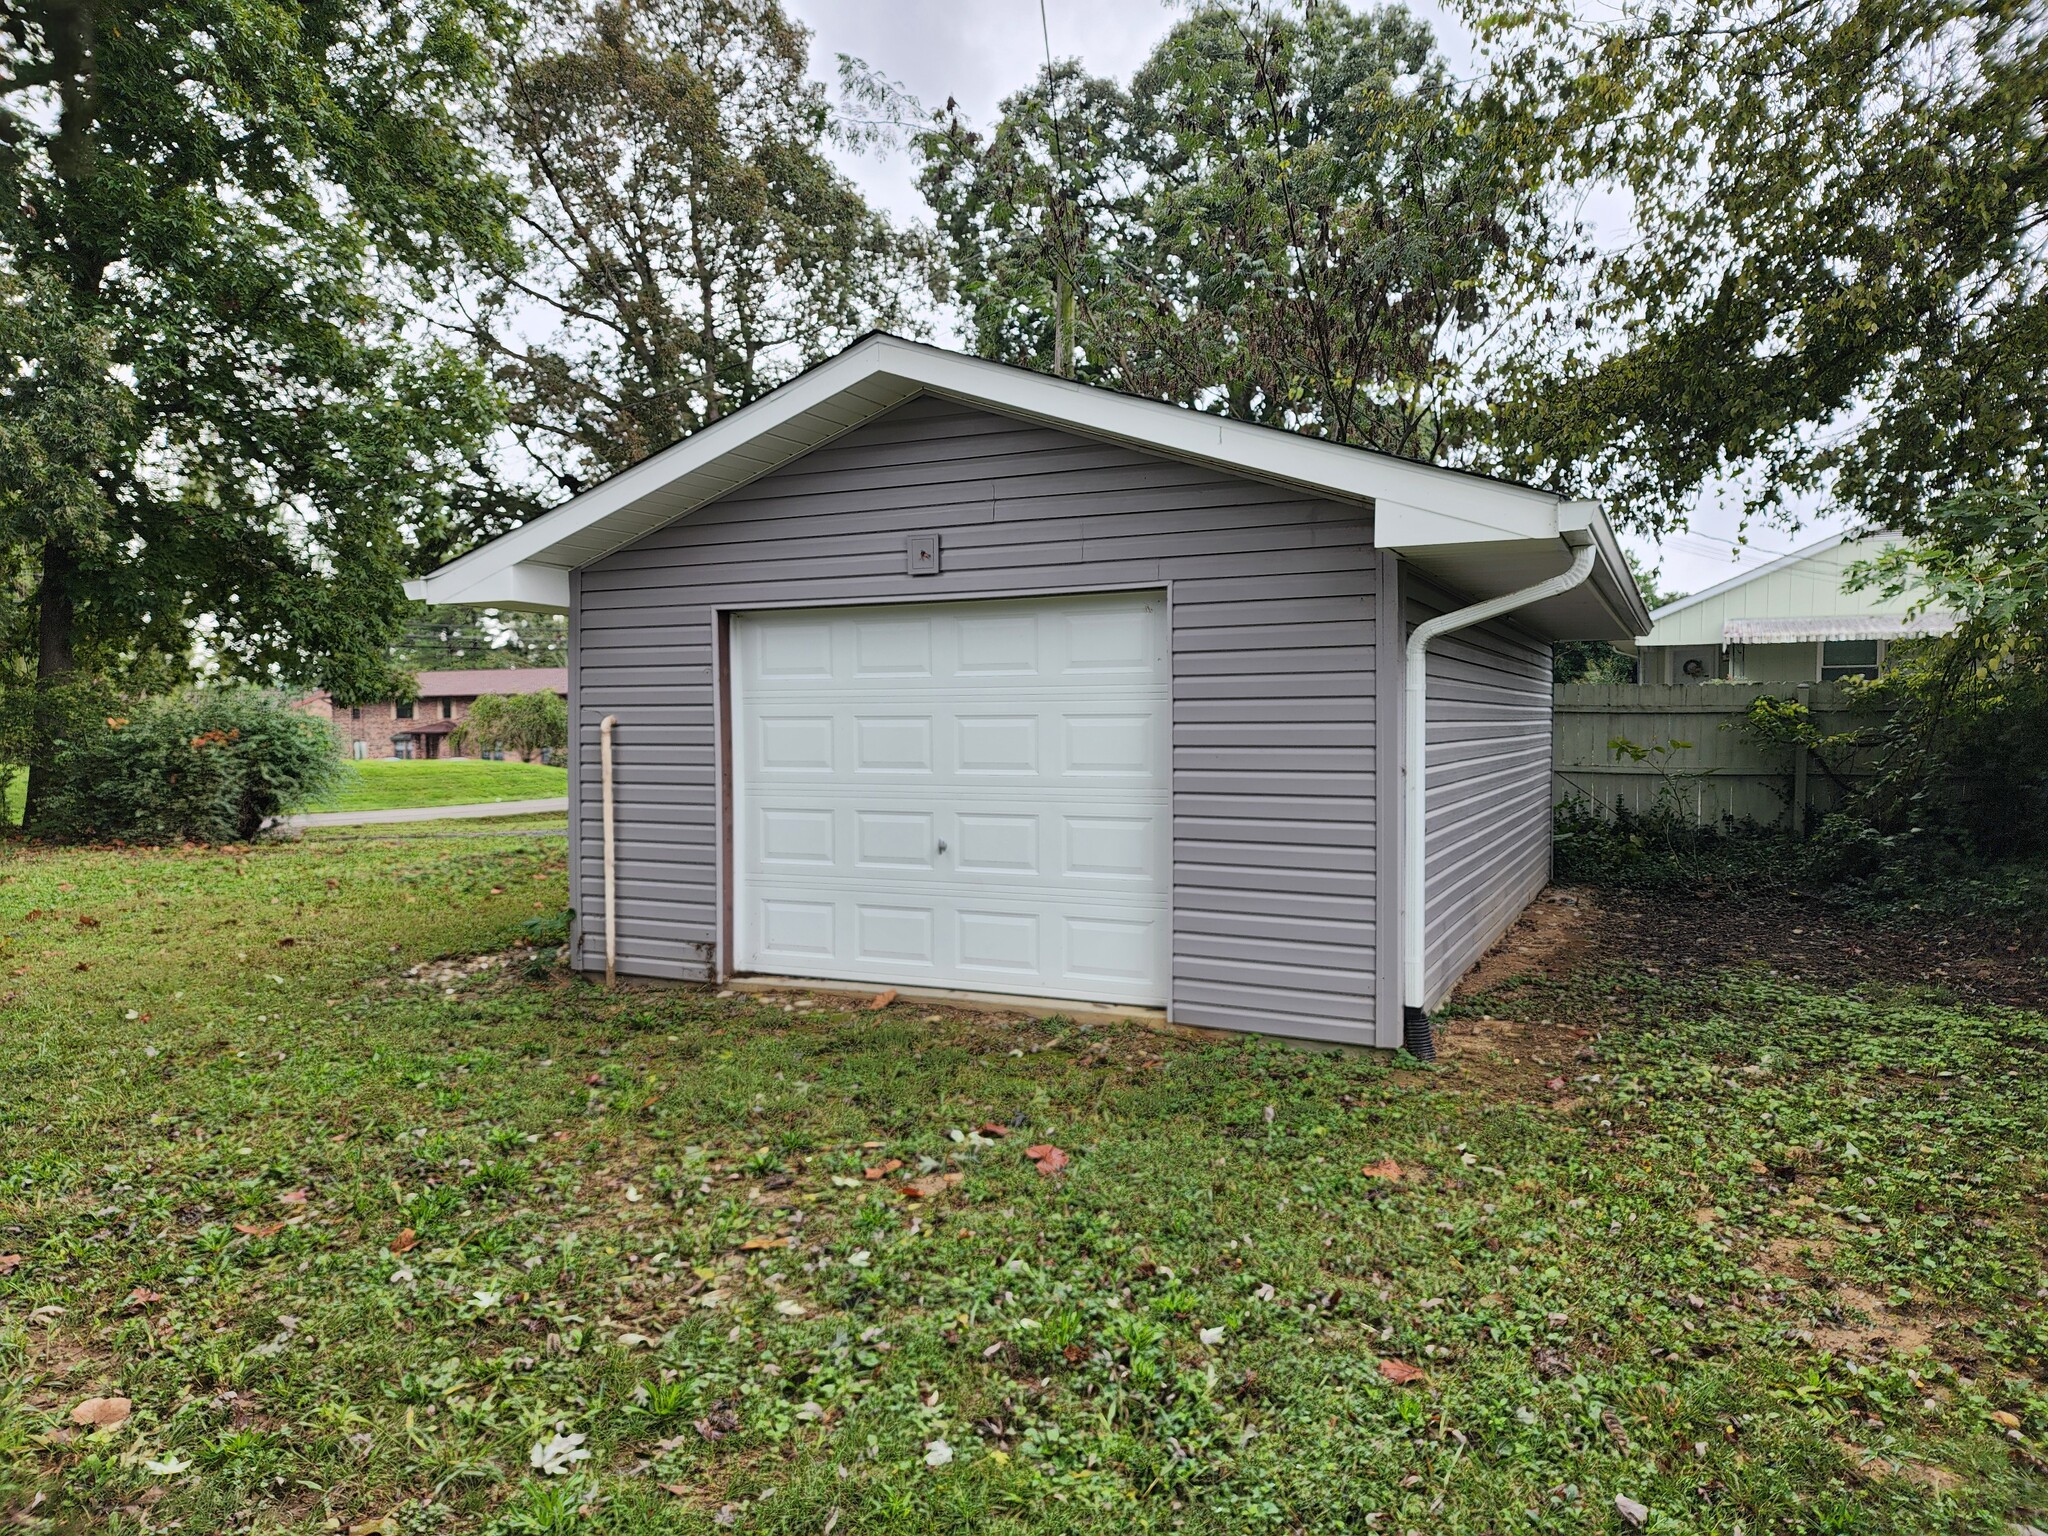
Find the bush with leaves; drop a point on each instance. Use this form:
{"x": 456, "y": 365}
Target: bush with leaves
{"x": 204, "y": 765}
{"x": 1965, "y": 753}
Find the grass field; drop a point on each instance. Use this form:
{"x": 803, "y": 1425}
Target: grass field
{"x": 377, "y": 1223}
{"x": 384, "y": 786}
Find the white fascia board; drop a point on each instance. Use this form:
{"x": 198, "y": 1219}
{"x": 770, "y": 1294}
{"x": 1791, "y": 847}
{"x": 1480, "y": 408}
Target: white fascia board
{"x": 1432, "y": 504}
{"x": 1415, "y": 505}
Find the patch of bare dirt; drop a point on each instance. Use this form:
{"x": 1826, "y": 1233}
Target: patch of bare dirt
{"x": 1878, "y": 1467}
{"x": 1711, "y": 926}
{"x": 1525, "y": 1056}
{"x": 1870, "y": 1326}
{"x": 1792, "y": 1258}
{"x": 1546, "y": 940}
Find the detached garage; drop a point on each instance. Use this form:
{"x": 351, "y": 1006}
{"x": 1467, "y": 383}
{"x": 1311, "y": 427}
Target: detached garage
{"x": 924, "y": 671}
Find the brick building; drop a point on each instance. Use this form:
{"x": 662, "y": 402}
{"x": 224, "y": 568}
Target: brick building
{"x": 420, "y": 729}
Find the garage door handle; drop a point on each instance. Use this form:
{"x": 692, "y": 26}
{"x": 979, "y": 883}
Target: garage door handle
{"x": 942, "y": 845}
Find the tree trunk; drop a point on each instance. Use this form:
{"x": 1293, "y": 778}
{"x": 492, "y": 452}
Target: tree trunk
{"x": 1063, "y": 327}
{"x": 56, "y": 669}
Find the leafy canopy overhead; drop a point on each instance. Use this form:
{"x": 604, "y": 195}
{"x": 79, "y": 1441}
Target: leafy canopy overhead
{"x": 1836, "y": 282}
{"x": 212, "y": 423}
{"x": 686, "y": 242}
{"x": 1289, "y": 215}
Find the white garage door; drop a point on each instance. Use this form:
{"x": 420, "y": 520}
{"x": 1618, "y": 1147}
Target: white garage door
{"x": 964, "y": 795}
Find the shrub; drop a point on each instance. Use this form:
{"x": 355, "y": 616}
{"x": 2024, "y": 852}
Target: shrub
{"x": 206, "y": 765}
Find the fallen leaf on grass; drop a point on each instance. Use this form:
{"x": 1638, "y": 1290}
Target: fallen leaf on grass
{"x": 552, "y": 1458}
{"x": 9, "y": 1263}
{"x": 754, "y": 1244}
{"x": 1635, "y": 1514}
{"x": 990, "y": 1128}
{"x": 383, "y": 1525}
{"x": 882, "y": 1170}
{"x": 931, "y": 1184}
{"x": 1401, "y": 1373}
{"x": 883, "y": 999}
{"x": 1386, "y": 1168}
{"x": 259, "y": 1228}
{"x": 2008, "y": 1420}
{"x": 1050, "y": 1159}
{"x": 102, "y": 1412}
{"x": 293, "y": 1197}
{"x": 142, "y": 1296}
{"x": 405, "y": 1242}
{"x": 680, "y": 1490}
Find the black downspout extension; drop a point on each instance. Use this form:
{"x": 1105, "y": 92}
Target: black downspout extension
{"x": 1417, "y": 1038}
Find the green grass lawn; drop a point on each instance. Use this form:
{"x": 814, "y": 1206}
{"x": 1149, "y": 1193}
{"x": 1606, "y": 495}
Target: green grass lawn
{"x": 384, "y": 786}
{"x": 372, "y": 1237}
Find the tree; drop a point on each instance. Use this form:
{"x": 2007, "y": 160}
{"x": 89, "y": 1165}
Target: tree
{"x": 1966, "y": 748}
{"x": 526, "y": 723}
{"x": 211, "y": 422}
{"x": 456, "y": 639}
{"x": 1835, "y": 281}
{"x": 1289, "y": 216}
{"x": 687, "y": 241}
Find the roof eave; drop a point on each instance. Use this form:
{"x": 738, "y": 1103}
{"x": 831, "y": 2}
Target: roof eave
{"x": 1417, "y": 507}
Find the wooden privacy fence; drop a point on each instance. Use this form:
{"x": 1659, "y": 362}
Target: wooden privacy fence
{"x": 1721, "y": 771}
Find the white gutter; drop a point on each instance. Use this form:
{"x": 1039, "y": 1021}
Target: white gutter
{"x": 1415, "y": 777}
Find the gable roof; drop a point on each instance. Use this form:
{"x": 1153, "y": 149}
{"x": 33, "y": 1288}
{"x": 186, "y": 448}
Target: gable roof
{"x": 1478, "y": 535}
{"x": 1744, "y": 578}
{"x": 1795, "y": 598}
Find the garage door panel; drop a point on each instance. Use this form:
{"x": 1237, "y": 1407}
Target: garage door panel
{"x": 965, "y": 794}
{"x": 897, "y": 933}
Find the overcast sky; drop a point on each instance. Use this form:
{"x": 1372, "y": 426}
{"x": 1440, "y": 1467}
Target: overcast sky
{"x": 978, "y": 51}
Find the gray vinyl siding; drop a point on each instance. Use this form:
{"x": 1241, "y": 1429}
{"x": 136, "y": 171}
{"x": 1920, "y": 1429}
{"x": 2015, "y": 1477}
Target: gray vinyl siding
{"x": 1275, "y": 711}
{"x": 1488, "y": 815}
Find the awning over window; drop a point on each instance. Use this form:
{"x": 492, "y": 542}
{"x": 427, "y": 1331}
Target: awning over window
{"x": 1841, "y": 626}
{"x": 425, "y": 728}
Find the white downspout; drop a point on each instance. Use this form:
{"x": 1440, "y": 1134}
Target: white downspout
{"x": 611, "y": 904}
{"x": 1415, "y": 778}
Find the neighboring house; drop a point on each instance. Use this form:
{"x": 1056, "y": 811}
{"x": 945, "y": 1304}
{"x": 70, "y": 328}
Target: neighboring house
{"x": 925, "y": 670}
{"x": 1791, "y": 621}
{"x": 420, "y": 729}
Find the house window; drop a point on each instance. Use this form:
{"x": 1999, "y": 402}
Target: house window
{"x": 401, "y": 748}
{"x": 447, "y": 709}
{"x": 405, "y": 711}
{"x": 362, "y": 750}
{"x": 1848, "y": 658}
{"x": 355, "y": 712}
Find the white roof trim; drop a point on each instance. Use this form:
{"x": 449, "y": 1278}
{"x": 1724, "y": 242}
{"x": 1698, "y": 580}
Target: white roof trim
{"x": 1418, "y": 507}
